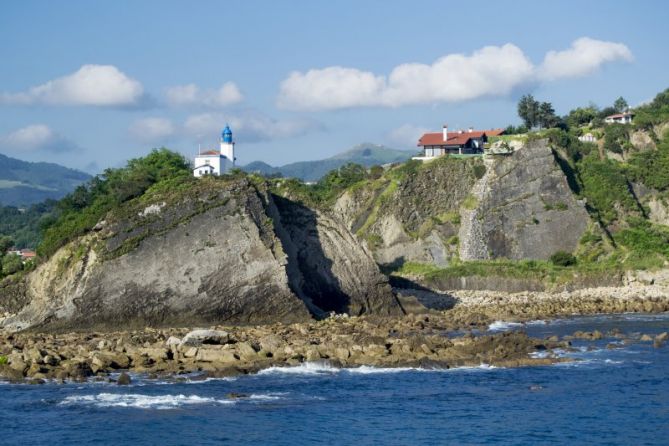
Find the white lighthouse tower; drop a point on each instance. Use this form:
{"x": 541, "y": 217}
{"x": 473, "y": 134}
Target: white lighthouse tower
{"x": 213, "y": 162}
{"x": 228, "y": 145}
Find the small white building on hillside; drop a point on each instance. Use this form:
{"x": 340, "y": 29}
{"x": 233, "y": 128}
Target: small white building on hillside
{"x": 588, "y": 137}
{"x": 620, "y": 118}
{"x": 216, "y": 162}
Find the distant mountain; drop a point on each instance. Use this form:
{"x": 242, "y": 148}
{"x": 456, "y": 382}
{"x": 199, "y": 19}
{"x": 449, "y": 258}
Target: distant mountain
{"x": 23, "y": 183}
{"x": 365, "y": 154}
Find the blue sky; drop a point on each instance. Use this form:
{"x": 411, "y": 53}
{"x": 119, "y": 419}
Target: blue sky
{"x": 89, "y": 84}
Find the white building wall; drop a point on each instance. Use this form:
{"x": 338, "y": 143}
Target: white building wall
{"x": 211, "y": 160}
{"x": 228, "y": 151}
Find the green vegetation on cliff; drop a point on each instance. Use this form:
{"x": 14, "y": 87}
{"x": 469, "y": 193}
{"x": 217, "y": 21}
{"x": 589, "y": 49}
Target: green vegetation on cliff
{"x": 81, "y": 210}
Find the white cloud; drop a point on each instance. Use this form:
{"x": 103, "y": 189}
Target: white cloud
{"x": 36, "y": 137}
{"x": 148, "y": 130}
{"x": 248, "y": 126}
{"x": 95, "y": 85}
{"x": 584, "y": 57}
{"x": 330, "y": 88}
{"x": 406, "y": 135}
{"x": 490, "y": 71}
{"x": 191, "y": 94}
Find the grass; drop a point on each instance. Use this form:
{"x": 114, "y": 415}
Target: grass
{"x": 449, "y": 217}
{"x": 3, "y": 360}
{"x": 470, "y": 202}
{"x": 382, "y": 198}
{"x": 508, "y": 138}
{"x": 540, "y": 270}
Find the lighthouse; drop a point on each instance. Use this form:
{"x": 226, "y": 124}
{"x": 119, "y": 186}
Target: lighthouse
{"x": 228, "y": 145}
{"x": 216, "y": 162}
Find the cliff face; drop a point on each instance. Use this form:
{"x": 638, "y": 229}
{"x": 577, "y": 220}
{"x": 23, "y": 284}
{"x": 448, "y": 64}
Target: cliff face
{"x": 219, "y": 253}
{"x": 516, "y": 207}
{"x": 523, "y": 209}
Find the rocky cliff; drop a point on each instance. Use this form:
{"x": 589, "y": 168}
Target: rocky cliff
{"x": 220, "y": 251}
{"x": 522, "y": 208}
{"x": 516, "y": 206}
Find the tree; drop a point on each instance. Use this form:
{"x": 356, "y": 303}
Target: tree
{"x": 546, "y": 117}
{"x": 375, "y": 172}
{"x": 528, "y": 110}
{"x": 615, "y": 138}
{"x": 607, "y": 111}
{"x": 581, "y": 116}
{"x": 5, "y": 244}
{"x": 11, "y": 264}
{"x": 620, "y": 105}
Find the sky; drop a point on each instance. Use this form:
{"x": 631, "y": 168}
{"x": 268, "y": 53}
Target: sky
{"x": 91, "y": 84}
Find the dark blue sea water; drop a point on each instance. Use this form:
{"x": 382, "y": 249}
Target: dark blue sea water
{"x": 618, "y": 396}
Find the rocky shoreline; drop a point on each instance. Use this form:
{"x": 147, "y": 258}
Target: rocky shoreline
{"x": 411, "y": 341}
{"x": 426, "y": 338}
{"x": 467, "y": 307}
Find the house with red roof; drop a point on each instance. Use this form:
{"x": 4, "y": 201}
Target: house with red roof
{"x": 460, "y": 142}
{"x": 620, "y": 118}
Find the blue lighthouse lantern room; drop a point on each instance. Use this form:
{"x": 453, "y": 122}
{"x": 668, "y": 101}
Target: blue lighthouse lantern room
{"x": 226, "y": 135}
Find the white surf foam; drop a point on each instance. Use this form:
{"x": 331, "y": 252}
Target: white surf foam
{"x": 307, "y": 368}
{"x": 267, "y": 396}
{"x": 141, "y": 401}
{"x": 537, "y": 322}
{"x": 369, "y": 370}
{"x": 503, "y": 326}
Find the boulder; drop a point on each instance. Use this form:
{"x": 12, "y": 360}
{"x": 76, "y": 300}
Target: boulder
{"x": 216, "y": 355}
{"x": 10, "y": 373}
{"x": 155, "y": 354}
{"x": 172, "y": 341}
{"x": 123, "y": 379}
{"x": 209, "y": 337}
{"x": 245, "y": 351}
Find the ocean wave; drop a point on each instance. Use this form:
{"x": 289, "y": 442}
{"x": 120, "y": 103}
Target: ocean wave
{"x": 268, "y": 396}
{"x": 503, "y": 326}
{"x": 139, "y": 401}
{"x": 369, "y": 370}
{"x": 306, "y": 368}
{"x": 537, "y": 322}
{"x": 325, "y": 368}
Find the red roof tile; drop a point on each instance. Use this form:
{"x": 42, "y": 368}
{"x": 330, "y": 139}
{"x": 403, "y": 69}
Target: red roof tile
{"x": 455, "y": 138}
{"x": 211, "y": 152}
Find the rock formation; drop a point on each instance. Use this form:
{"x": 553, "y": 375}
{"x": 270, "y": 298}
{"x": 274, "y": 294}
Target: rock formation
{"x": 518, "y": 206}
{"x": 219, "y": 253}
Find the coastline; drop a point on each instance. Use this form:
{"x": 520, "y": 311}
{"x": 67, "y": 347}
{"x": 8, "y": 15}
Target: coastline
{"x": 471, "y": 307}
{"x": 424, "y": 338}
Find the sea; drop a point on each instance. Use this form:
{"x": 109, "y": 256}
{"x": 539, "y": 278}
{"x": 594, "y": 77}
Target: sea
{"x": 606, "y": 396}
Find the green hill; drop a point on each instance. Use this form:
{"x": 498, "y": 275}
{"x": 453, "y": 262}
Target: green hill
{"x": 365, "y": 154}
{"x": 23, "y": 183}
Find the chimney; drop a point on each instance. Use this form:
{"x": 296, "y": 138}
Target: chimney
{"x": 445, "y": 130}
{"x": 470, "y": 129}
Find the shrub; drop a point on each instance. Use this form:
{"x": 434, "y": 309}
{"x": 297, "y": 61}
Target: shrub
{"x": 603, "y": 183}
{"x": 652, "y": 167}
{"x": 615, "y": 138}
{"x": 11, "y": 264}
{"x": 83, "y": 208}
{"x": 479, "y": 171}
{"x": 563, "y": 258}
{"x": 3, "y": 360}
{"x": 375, "y": 172}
